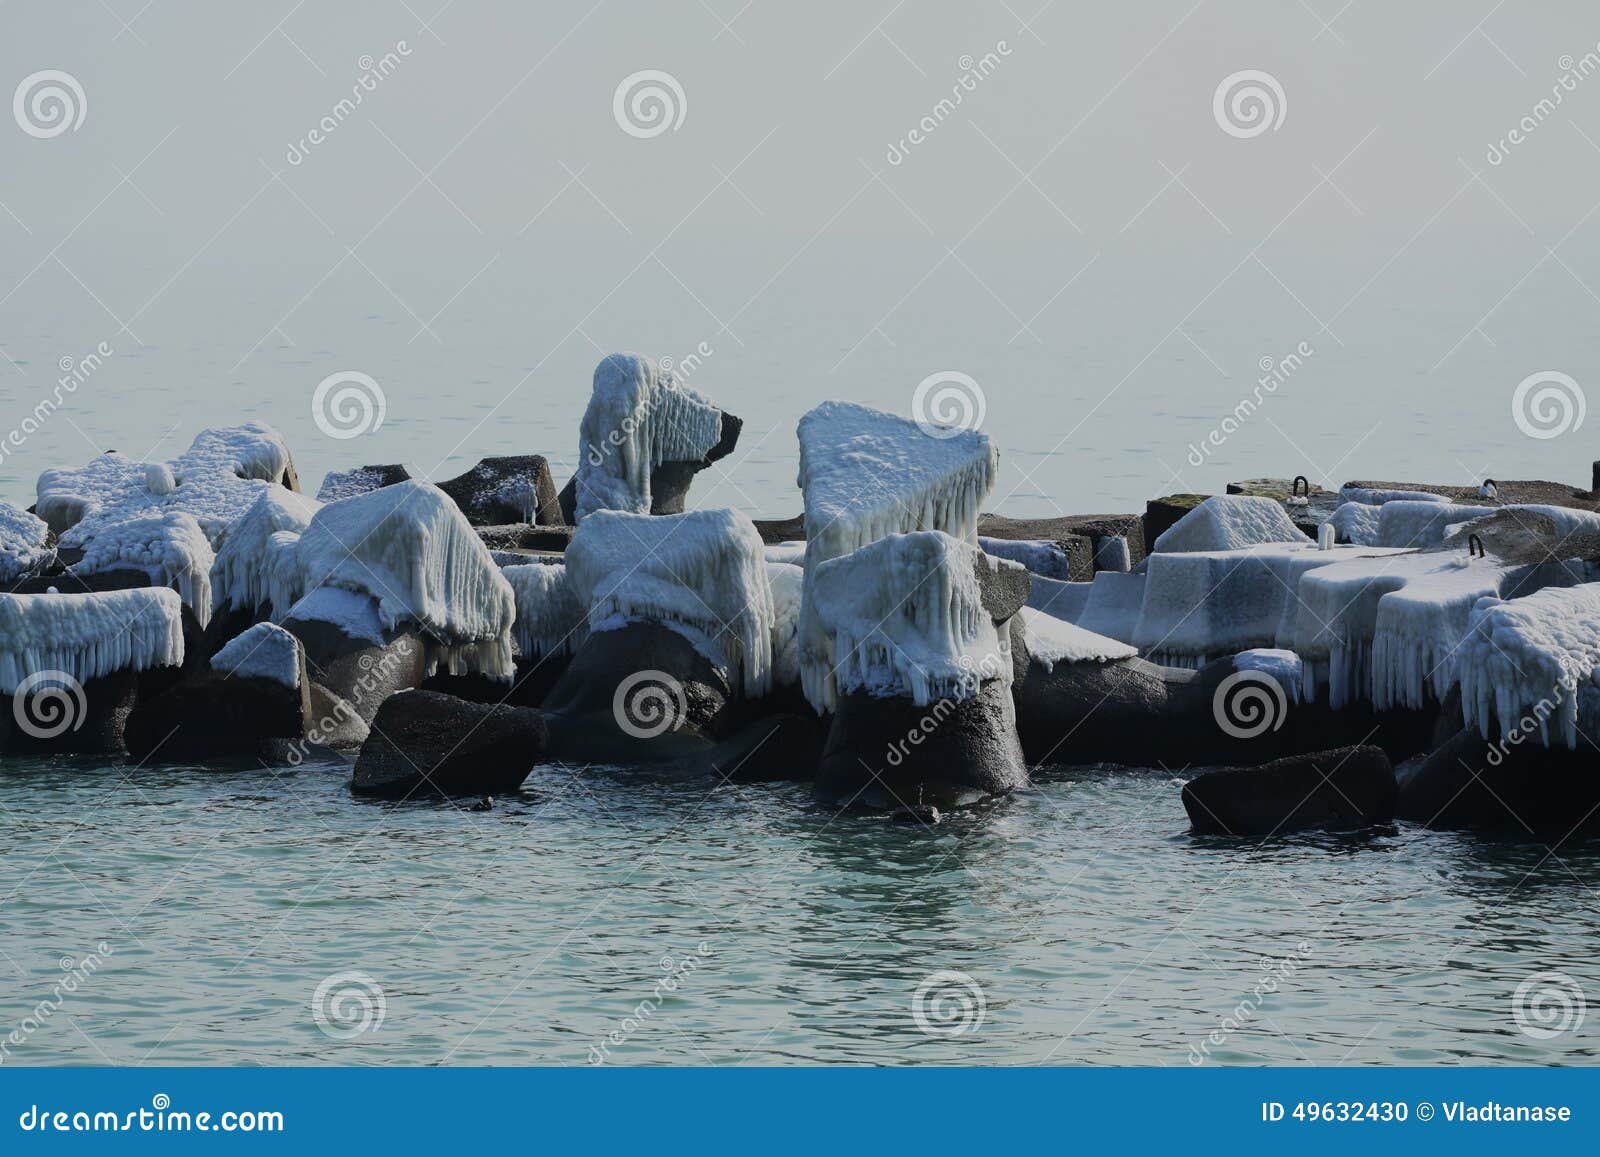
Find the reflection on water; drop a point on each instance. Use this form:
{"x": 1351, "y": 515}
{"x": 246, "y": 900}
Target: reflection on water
{"x": 1094, "y": 928}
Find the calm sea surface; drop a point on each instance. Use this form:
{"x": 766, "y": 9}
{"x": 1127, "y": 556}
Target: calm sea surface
{"x": 1091, "y": 928}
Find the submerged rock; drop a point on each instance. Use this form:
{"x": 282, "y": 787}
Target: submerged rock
{"x": 425, "y": 743}
{"x": 1350, "y": 787}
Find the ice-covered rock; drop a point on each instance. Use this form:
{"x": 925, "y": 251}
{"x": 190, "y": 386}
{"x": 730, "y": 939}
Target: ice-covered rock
{"x": 409, "y": 548}
{"x": 1355, "y": 523}
{"x": 701, "y": 574}
{"x": 867, "y": 474}
{"x": 1368, "y": 496}
{"x": 87, "y": 636}
{"x": 255, "y": 566}
{"x": 23, "y": 539}
{"x": 551, "y": 620}
{"x": 787, "y": 583}
{"x": 1113, "y": 605}
{"x": 337, "y": 484}
{"x": 1531, "y": 661}
{"x": 1051, "y": 641}
{"x": 503, "y": 490}
{"x": 1040, "y": 556}
{"x": 265, "y": 651}
{"x": 906, "y": 617}
{"x": 1229, "y": 522}
{"x": 640, "y": 417}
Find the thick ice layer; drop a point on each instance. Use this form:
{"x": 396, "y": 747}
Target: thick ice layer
{"x": 907, "y": 619}
{"x": 22, "y": 543}
{"x": 264, "y": 651}
{"x": 1369, "y": 497}
{"x": 409, "y": 547}
{"x": 1284, "y": 666}
{"x": 1060, "y": 600}
{"x": 866, "y": 474}
{"x": 88, "y": 635}
{"x": 639, "y": 416}
{"x": 791, "y": 552}
{"x": 1531, "y": 660}
{"x": 787, "y": 582}
{"x": 354, "y": 612}
{"x": 171, "y": 548}
{"x": 1408, "y": 523}
{"x": 1040, "y": 556}
{"x": 105, "y": 506}
{"x": 1229, "y": 522}
{"x": 1052, "y": 641}
{"x": 550, "y": 618}
{"x": 1202, "y": 605}
{"x": 1356, "y": 523}
{"x": 251, "y": 551}
{"x": 701, "y": 574}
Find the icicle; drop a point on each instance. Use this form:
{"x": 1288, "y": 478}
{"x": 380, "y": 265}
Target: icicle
{"x": 550, "y": 619}
{"x": 89, "y": 635}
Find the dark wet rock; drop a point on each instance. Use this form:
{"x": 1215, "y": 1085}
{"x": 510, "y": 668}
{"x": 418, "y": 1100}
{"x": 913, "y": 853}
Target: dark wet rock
{"x": 70, "y": 582}
{"x": 362, "y": 480}
{"x": 925, "y": 814}
{"x": 1349, "y": 787}
{"x": 215, "y": 714}
{"x": 425, "y": 743}
{"x": 525, "y": 536}
{"x": 888, "y": 753}
{"x": 59, "y": 720}
{"x": 776, "y": 530}
{"x": 529, "y": 687}
{"x": 350, "y": 654}
{"x": 1519, "y": 789}
{"x": 669, "y": 482}
{"x": 505, "y": 490}
{"x": 777, "y": 747}
{"x": 1003, "y": 586}
{"x": 641, "y": 693}
{"x": 1161, "y": 513}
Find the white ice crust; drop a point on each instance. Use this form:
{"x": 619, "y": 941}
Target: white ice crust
{"x": 89, "y": 635}
{"x": 250, "y": 552}
{"x": 22, "y": 543}
{"x": 866, "y": 474}
{"x": 639, "y": 416}
{"x": 1532, "y": 659}
{"x": 550, "y": 618}
{"x": 1052, "y": 641}
{"x": 906, "y": 618}
{"x": 1229, "y": 522}
{"x": 264, "y": 651}
{"x": 701, "y": 574}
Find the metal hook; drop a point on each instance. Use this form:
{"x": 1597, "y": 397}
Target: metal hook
{"x": 1294, "y": 487}
{"x": 1474, "y": 541}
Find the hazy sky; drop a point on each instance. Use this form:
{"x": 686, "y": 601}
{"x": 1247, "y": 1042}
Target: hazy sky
{"x": 1081, "y": 236}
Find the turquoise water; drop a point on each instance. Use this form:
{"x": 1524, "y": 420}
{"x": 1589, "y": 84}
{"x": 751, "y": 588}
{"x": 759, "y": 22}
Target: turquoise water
{"x": 1094, "y": 929}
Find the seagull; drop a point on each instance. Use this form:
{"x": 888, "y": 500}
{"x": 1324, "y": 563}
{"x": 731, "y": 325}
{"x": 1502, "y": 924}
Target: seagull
{"x": 1487, "y": 490}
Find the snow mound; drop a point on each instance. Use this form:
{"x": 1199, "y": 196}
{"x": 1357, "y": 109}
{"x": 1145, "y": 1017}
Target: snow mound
{"x": 907, "y": 619}
{"x": 701, "y": 574}
{"x": 787, "y": 582}
{"x": 89, "y": 635}
{"x": 252, "y": 550}
{"x": 1229, "y": 522}
{"x": 1052, "y": 641}
{"x": 866, "y": 474}
{"x": 409, "y": 547}
{"x": 1526, "y": 661}
{"x": 22, "y": 543}
{"x": 171, "y": 548}
{"x": 1369, "y": 497}
{"x": 264, "y": 651}
{"x": 550, "y": 618}
{"x": 639, "y": 416}
{"x": 104, "y": 507}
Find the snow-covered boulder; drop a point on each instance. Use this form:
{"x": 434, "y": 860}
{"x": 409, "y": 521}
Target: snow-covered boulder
{"x": 24, "y": 548}
{"x": 700, "y": 574}
{"x": 337, "y": 484}
{"x": 920, "y": 639}
{"x": 1229, "y": 522}
{"x": 644, "y": 435}
{"x": 255, "y": 567}
{"x": 551, "y": 620}
{"x": 866, "y": 474}
{"x": 254, "y": 692}
{"x": 410, "y": 551}
{"x": 163, "y": 518}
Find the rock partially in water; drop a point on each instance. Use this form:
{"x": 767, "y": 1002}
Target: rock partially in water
{"x": 1520, "y": 789}
{"x": 425, "y": 743}
{"x": 1339, "y": 790}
